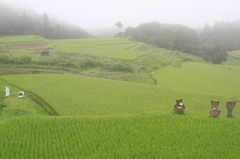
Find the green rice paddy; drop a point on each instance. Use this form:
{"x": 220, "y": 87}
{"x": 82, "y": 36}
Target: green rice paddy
{"x": 236, "y": 52}
{"x": 20, "y": 39}
{"x": 141, "y": 137}
{"x": 102, "y": 118}
{"x": 73, "y": 95}
{"x": 118, "y": 47}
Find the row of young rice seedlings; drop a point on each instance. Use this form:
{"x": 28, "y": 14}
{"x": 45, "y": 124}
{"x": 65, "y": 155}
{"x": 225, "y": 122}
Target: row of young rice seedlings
{"x": 141, "y": 136}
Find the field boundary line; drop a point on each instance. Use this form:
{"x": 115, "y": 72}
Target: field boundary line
{"x": 53, "y": 70}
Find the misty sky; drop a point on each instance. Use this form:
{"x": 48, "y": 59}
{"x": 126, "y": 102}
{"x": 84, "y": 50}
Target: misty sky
{"x": 105, "y": 13}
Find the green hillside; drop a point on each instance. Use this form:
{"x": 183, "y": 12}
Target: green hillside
{"x": 20, "y": 39}
{"x": 22, "y": 45}
{"x": 111, "y": 47}
{"x": 236, "y": 52}
{"x": 115, "y": 118}
{"x": 116, "y": 58}
{"x": 86, "y": 96}
{"x": 118, "y": 47}
{"x": 202, "y": 78}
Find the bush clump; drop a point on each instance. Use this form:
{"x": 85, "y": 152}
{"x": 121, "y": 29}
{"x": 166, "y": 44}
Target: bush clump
{"x": 66, "y": 61}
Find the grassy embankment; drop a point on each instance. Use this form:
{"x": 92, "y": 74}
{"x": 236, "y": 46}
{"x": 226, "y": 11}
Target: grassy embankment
{"x": 13, "y": 106}
{"x": 22, "y": 45}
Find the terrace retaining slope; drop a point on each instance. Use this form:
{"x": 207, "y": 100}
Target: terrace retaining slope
{"x": 44, "y": 45}
{"x": 53, "y": 70}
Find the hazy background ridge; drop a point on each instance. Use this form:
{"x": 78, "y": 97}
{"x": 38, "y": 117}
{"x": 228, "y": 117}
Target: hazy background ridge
{"x": 96, "y": 16}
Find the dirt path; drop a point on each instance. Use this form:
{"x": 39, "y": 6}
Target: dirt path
{"x": 57, "y": 71}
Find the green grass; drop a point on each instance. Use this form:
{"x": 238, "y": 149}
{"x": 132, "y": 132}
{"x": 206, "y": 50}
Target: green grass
{"x": 5, "y": 71}
{"x": 236, "y": 52}
{"x": 144, "y": 65}
{"x": 102, "y": 118}
{"x": 13, "y": 106}
{"x": 232, "y": 61}
{"x": 148, "y": 136}
{"x": 16, "y": 53}
{"x": 202, "y": 78}
{"x": 20, "y": 39}
{"x": 16, "y": 40}
{"x": 112, "y": 47}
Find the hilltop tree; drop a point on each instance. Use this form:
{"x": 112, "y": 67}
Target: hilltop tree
{"x": 128, "y": 31}
{"x": 169, "y": 36}
{"x": 178, "y": 42}
{"x": 119, "y": 25}
{"x": 45, "y": 25}
{"x": 206, "y": 33}
{"x": 215, "y": 54}
{"x": 223, "y": 33}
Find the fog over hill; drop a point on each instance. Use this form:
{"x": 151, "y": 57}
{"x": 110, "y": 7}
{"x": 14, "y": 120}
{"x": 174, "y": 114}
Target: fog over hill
{"x": 23, "y": 21}
{"x": 97, "y": 16}
{"x": 104, "y": 32}
{"x": 105, "y": 13}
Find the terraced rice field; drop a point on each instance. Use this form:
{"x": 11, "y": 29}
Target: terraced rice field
{"x": 102, "y": 118}
{"x": 86, "y": 96}
{"x": 202, "y": 78}
{"x": 20, "y": 39}
{"x": 119, "y": 47}
{"x": 22, "y": 45}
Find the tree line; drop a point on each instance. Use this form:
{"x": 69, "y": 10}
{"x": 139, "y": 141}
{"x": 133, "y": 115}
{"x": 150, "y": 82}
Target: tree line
{"x": 222, "y": 33}
{"x": 16, "y": 22}
{"x": 211, "y": 44}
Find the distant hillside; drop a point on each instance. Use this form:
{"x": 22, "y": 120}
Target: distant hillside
{"x": 15, "y": 22}
{"x": 178, "y": 37}
{"x": 222, "y": 33}
{"x": 168, "y": 36}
